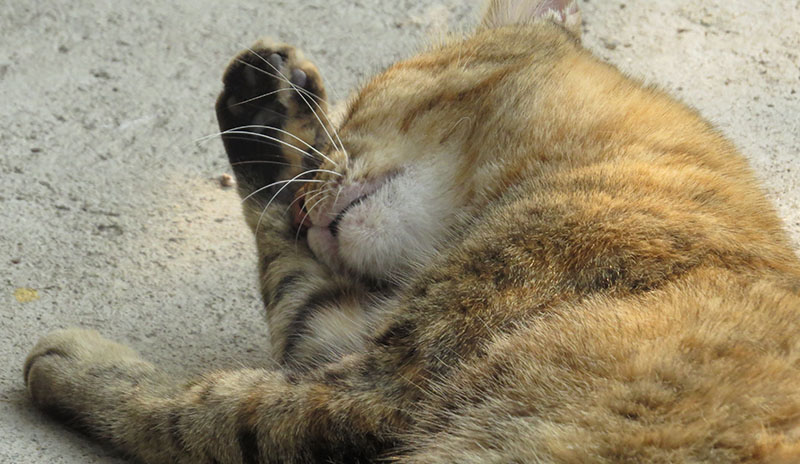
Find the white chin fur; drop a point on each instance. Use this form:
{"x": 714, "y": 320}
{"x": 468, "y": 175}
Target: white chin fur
{"x": 397, "y": 228}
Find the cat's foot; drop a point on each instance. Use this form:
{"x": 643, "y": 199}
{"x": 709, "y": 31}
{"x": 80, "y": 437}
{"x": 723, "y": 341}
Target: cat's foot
{"x": 77, "y": 375}
{"x": 270, "y": 111}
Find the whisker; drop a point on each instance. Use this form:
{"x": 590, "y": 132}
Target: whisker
{"x": 308, "y": 211}
{"x": 238, "y": 130}
{"x": 286, "y": 184}
{"x": 308, "y": 196}
{"x": 276, "y": 76}
{"x": 313, "y": 193}
{"x": 298, "y": 93}
{"x": 339, "y": 192}
{"x": 260, "y": 162}
{"x": 233, "y": 137}
{"x": 257, "y": 97}
{"x": 256, "y": 134}
{"x": 264, "y": 142}
{"x": 298, "y": 198}
{"x": 335, "y": 132}
{"x": 306, "y": 102}
{"x": 295, "y": 179}
{"x": 311, "y": 147}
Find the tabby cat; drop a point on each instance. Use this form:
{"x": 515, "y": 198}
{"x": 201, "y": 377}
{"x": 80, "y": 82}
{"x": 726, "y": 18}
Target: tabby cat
{"x": 500, "y": 250}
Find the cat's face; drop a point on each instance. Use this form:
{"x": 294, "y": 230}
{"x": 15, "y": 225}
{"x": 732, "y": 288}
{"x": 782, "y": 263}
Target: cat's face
{"x": 391, "y": 201}
{"x": 432, "y": 138}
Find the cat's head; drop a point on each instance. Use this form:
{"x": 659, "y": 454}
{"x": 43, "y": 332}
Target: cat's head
{"x": 415, "y": 151}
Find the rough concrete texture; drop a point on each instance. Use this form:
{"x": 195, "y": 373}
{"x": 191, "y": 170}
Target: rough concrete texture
{"x": 111, "y": 216}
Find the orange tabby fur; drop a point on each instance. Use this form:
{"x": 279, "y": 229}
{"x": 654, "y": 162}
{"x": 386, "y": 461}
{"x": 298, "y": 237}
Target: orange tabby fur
{"x": 608, "y": 284}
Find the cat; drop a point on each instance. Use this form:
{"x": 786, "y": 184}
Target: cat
{"x": 499, "y": 250}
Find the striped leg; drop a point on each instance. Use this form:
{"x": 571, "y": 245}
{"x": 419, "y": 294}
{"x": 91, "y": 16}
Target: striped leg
{"x": 315, "y": 316}
{"x": 271, "y": 113}
{"x": 236, "y": 417}
{"x": 272, "y": 116}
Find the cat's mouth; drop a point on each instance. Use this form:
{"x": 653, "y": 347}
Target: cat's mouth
{"x": 381, "y": 228}
{"x": 333, "y": 227}
{"x": 330, "y": 214}
{"x": 323, "y": 223}
{"x": 302, "y": 219}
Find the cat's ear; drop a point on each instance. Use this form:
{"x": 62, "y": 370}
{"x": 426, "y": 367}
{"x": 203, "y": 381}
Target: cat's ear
{"x": 501, "y": 13}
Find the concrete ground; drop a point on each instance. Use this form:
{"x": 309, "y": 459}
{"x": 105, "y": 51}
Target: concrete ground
{"x": 111, "y": 216}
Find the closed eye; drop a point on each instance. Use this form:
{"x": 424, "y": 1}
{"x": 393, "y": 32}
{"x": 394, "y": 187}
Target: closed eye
{"x": 334, "y": 225}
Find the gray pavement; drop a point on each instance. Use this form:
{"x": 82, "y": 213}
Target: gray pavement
{"x": 111, "y": 216}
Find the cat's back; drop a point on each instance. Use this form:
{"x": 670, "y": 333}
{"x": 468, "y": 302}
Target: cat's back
{"x": 703, "y": 369}
{"x": 590, "y": 182}
{"x": 634, "y": 259}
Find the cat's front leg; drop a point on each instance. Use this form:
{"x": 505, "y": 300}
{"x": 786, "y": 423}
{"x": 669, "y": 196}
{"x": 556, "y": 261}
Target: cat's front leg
{"x": 91, "y": 383}
{"x": 314, "y": 314}
{"x": 273, "y": 116}
{"x": 233, "y": 417}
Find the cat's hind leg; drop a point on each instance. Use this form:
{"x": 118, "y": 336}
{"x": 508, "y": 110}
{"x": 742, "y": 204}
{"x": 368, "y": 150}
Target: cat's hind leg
{"x": 229, "y": 417}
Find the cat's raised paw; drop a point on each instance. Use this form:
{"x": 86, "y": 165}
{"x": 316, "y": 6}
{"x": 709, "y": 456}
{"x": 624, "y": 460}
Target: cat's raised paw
{"x": 271, "y": 112}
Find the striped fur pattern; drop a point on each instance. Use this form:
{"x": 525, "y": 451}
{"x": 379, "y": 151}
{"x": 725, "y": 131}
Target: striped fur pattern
{"x": 508, "y": 252}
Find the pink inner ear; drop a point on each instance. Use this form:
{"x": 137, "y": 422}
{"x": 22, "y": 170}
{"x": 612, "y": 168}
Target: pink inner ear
{"x": 565, "y": 12}
{"x": 509, "y": 12}
{"x": 555, "y": 5}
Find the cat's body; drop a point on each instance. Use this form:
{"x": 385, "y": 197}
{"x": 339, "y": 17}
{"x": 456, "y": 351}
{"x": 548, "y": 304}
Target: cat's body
{"x": 524, "y": 256}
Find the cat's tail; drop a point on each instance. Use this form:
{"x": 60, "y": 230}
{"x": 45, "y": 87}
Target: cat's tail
{"x": 501, "y": 13}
